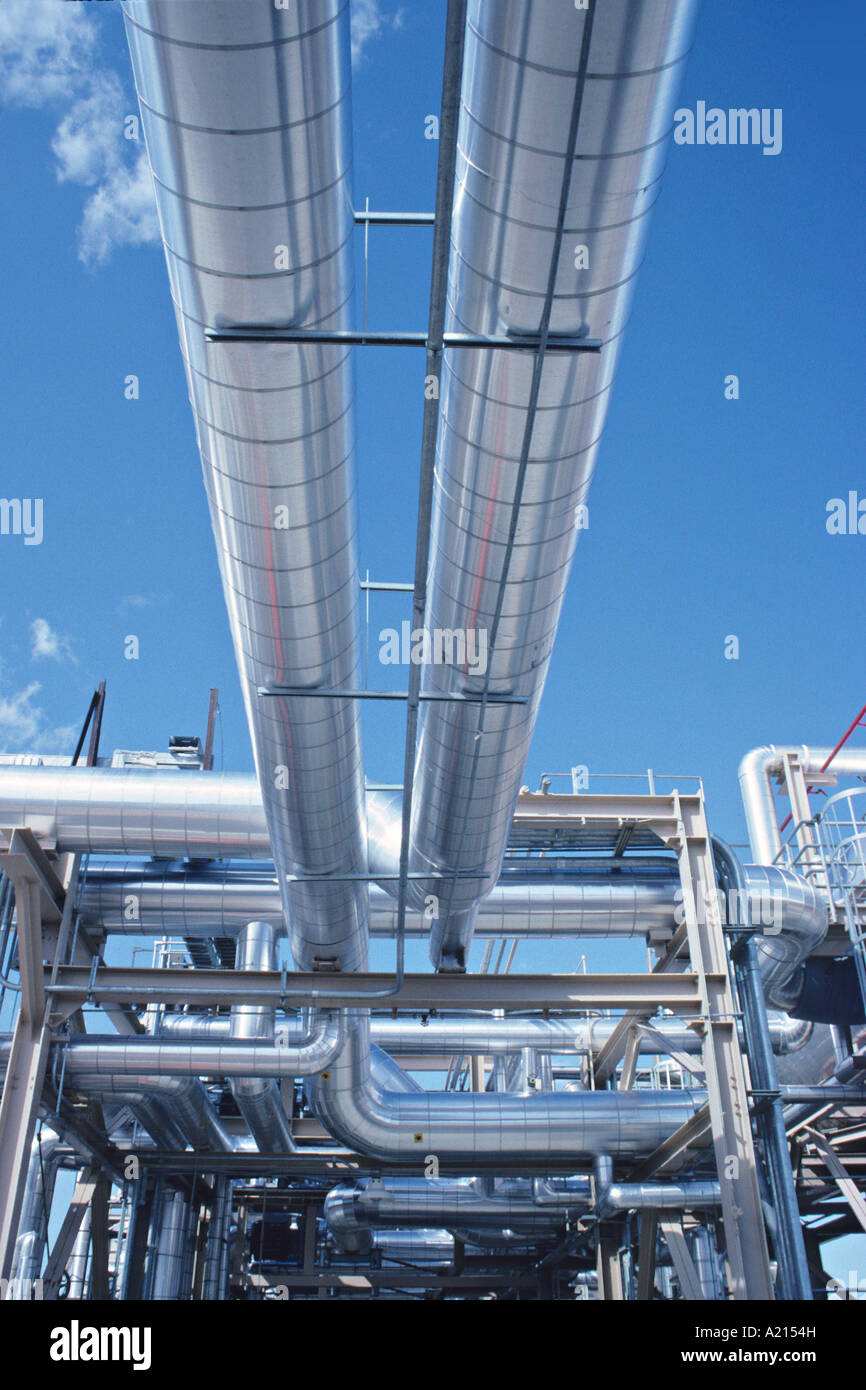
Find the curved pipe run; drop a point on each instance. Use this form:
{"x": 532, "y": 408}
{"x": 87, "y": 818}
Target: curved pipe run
{"x": 169, "y": 1057}
{"x": 405, "y": 1127}
{"x": 185, "y": 1099}
{"x": 219, "y": 899}
{"x": 757, "y": 769}
{"x": 473, "y": 1036}
{"x": 612, "y": 1197}
{"x": 258, "y": 1098}
{"x": 353, "y": 1213}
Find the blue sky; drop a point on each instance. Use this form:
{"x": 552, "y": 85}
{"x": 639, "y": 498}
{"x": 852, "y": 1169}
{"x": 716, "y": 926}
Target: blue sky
{"x": 707, "y": 515}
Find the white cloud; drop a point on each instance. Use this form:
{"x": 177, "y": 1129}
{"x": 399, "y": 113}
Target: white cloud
{"x": 47, "y": 643}
{"x": 23, "y": 727}
{"x": 48, "y": 56}
{"x": 85, "y": 142}
{"x": 369, "y": 21}
{"x": 46, "y": 47}
{"x": 121, "y": 212}
{"x": 130, "y": 601}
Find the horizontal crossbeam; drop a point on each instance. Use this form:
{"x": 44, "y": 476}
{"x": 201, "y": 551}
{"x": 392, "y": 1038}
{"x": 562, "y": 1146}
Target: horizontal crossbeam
{"x": 348, "y": 337}
{"x": 458, "y": 696}
{"x": 426, "y": 993}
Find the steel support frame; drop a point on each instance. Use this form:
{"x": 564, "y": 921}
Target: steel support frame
{"x": 840, "y": 1175}
{"x": 690, "y": 1281}
{"x": 34, "y": 880}
{"x": 809, "y": 857}
{"x": 111, "y": 985}
{"x": 685, "y": 831}
{"x": 699, "y": 986}
{"x": 793, "y": 1277}
{"x": 609, "y": 1264}
{"x": 680, "y": 823}
{"x": 646, "y": 1257}
{"x": 66, "y": 1236}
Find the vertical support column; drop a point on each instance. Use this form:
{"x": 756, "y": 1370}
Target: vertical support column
{"x": 25, "y": 1073}
{"x": 99, "y": 1239}
{"x": 646, "y": 1255}
{"x": 63, "y": 1250}
{"x": 77, "y": 1265}
{"x": 690, "y": 1280}
{"x": 743, "y": 1216}
{"x": 477, "y": 1066}
{"x": 630, "y": 1060}
{"x": 809, "y": 859}
{"x": 310, "y": 1237}
{"x": 794, "y": 1279}
{"x": 203, "y": 1225}
{"x": 239, "y": 1250}
{"x": 135, "y": 1264}
{"x": 610, "y": 1286}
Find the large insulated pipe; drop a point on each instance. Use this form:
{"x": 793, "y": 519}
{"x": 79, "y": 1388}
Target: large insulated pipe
{"x": 169, "y": 1254}
{"x": 149, "y": 1112}
{"x": 219, "y": 899}
{"x": 172, "y": 814}
{"x": 216, "y": 1256}
{"x": 76, "y": 1268}
{"x": 203, "y": 816}
{"x": 757, "y": 769}
{"x": 145, "y": 897}
{"x": 185, "y": 1099}
{"x": 525, "y": 1206}
{"x": 565, "y": 121}
{"x": 796, "y": 929}
{"x": 485, "y": 1036}
{"x": 391, "y": 1126}
{"x": 258, "y": 1098}
{"x": 246, "y": 116}
{"x": 33, "y": 1222}
{"x": 94, "y": 1057}
{"x": 213, "y": 900}
{"x": 611, "y": 1197}
{"x": 352, "y": 1213}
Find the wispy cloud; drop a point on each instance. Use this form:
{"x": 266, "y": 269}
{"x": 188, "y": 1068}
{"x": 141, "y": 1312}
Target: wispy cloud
{"x": 133, "y": 602}
{"x": 48, "y": 644}
{"x": 24, "y": 727}
{"x": 369, "y": 21}
{"x": 49, "y": 57}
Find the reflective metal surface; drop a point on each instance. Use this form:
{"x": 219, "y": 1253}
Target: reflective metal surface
{"x": 353, "y": 1212}
{"x": 782, "y": 946}
{"x": 219, "y": 899}
{"x": 246, "y": 114}
{"x": 169, "y": 1254}
{"x": 202, "y": 815}
{"x": 172, "y": 1057}
{"x": 520, "y": 85}
{"x": 33, "y": 1222}
{"x": 485, "y": 1036}
{"x": 761, "y": 764}
{"x": 390, "y": 1126}
{"x": 187, "y": 1104}
{"x": 612, "y": 1197}
{"x": 258, "y": 1098}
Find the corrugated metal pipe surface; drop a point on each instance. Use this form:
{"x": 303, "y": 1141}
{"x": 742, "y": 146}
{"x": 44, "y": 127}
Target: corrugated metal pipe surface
{"x": 246, "y": 114}
{"x": 542, "y": 244}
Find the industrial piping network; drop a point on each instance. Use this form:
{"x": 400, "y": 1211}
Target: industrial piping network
{"x": 554, "y": 130}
